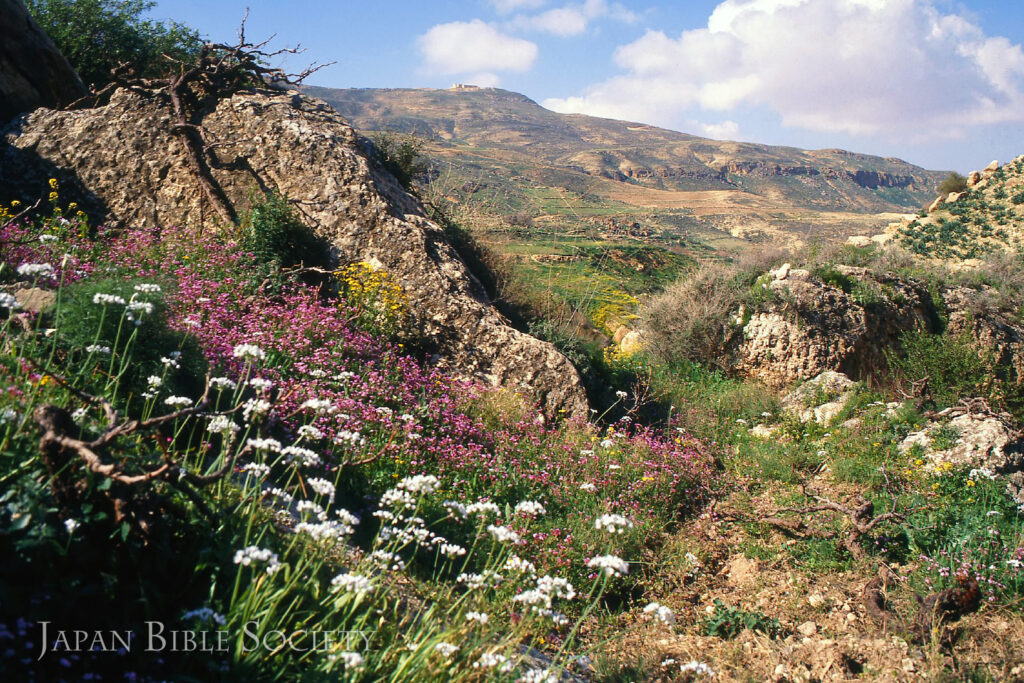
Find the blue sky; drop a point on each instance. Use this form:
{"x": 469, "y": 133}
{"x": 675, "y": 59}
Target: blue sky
{"x": 936, "y": 82}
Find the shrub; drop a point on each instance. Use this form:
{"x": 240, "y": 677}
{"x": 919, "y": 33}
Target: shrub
{"x": 728, "y": 622}
{"x": 953, "y": 365}
{"x": 954, "y": 182}
{"x": 401, "y": 156}
{"x": 273, "y": 232}
{"x": 98, "y": 35}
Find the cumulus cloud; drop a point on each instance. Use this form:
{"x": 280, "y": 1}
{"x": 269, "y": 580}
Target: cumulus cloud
{"x": 572, "y": 19}
{"x": 474, "y": 47}
{"x": 726, "y": 130}
{"x": 895, "y": 68}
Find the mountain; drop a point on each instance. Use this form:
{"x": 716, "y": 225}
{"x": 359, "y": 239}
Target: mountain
{"x": 501, "y": 149}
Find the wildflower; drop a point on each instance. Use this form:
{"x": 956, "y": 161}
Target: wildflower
{"x": 351, "y": 660}
{"x": 139, "y": 307}
{"x": 257, "y": 469}
{"x": 483, "y": 509}
{"x": 221, "y": 424}
{"x": 346, "y": 517}
{"x": 446, "y": 650}
{"x": 305, "y": 506}
{"x": 272, "y": 445}
{"x": 79, "y": 414}
{"x": 538, "y": 676}
{"x": 101, "y": 299}
{"x": 388, "y": 560}
{"x": 607, "y": 443}
{"x": 588, "y": 487}
{"x": 613, "y": 523}
{"x": 260, "y": 384}
{"x": 474, "y": 581}
{"x": 502, "y": 534}
{"x": 611, "y": 565}
{"x": 323, "y": 487}
{"x": 170, "y": 362}
{"x": 421, "y": 483}
{"x": 154, "y": 382}
{"x": 249, "y": 352}
{"x": 397, "y": 498}
{"x": 478, "y": 617}
{"x": 222, "y": 383}
{"x": 145, "y": 288}
{"x": 9, "y": 301}
{"x": 281, "y": 495}
{"x": 8, "y": 415}
{"x": 981, "y": 472}
{"x": 37, "y": 270}
{"x": 252, "y": 553}
{"x": 661, "y": 613}
{"x": 303, "y": 456}
{"x": 587, "y": 452}
{"x": 255, "y": 407}
{"x": 517, "y": 564}
{"x": 697, "y": 668}
{"x": 343, "y": 376}
{"x": 71, "y": 525}
{"x": 451, "y": 550}
{"x": 310, "y": 432}
{"x": 320, "y": 406}
{"x": 529, "y": 507}
{"x": 556, "y": 587}
{"x": 455, "y": 509}
{"x": 352, "y": 583}
{"x": 204, "y": 614}
{"x": 490, "y": 660}
{"x": 621, "y": 394}
{"x": 178, "y": 402}
{"x": 347, "y": 438}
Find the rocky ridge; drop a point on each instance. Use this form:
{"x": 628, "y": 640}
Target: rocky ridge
{"x": 124, "y": 160}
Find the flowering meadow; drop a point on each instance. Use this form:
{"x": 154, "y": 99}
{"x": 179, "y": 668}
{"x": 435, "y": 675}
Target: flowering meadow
{"x": 191, "y": 436}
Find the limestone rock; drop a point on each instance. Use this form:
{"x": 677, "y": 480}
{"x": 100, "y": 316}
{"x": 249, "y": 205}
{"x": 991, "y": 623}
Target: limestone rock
{"x": 820, "y": 399}
{"x": 783, "y": 271}
{"x": 992, "y": 167}
{"x": 859, "y": 241}
{"x": 984, "y": 439}
{"x": 954, "y": 197}
{"x": 973, "y": 178}
{"x": 631, "y": 343}
{"x": 996, "y": 332}
{"x": 33, "y": 72}
{"x": 936, "y": 204}
{"x": 818, "y": 326}
{"x": 124, "y": 159}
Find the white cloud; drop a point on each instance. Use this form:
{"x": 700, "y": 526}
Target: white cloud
{"x": 572, "y": 19}
{"x": 726, "y": 130}
{"x": 894, "y": 68}
{"x": 463, "y": 47}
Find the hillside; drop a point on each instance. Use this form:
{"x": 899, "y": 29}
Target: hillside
{"x": 503, "y": 150}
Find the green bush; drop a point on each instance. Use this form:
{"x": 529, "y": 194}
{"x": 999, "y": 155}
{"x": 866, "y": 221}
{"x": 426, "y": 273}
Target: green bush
{"x": 954, "y": 182}
{"x": 953, "y": 364}
{"x": 274, "y": 233}
{"x": 98, "y": 35}
{"x": 401, "y": 156}
{"x": 728, "y": 622}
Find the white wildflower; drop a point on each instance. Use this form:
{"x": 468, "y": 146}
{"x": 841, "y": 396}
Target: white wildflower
{"x": 260, "y": 384}
{"x": 530, "y": 507}
{"x": 101, "y": 299}
{"x": 96, "y": 348}
{"x": 661, "y": 613}
{"x": 613, "y": 523}
{"x": 397, "y": 498}
{"x": 9, "y": 301}
{"x": 302, "y": 456}
{"x": 483, "y": 509}
{"x": 255, "y": 407}
{"x": 8, "y": 415}
{"x": 697, "y": 668}
{"x": 38, "y": 270}
{"x": 478, "y": 617}
{"x": 387, "y": 560}
{"x": 446, "y": 650}
{"x": 538, "y": 676}
{"x": 247, "y": 556}
{"x": 323, "y": 487}
{"x": 422, "y": 484}
{"x": 607, "y": 443}
{"x": 320, "y": 406}
{"x": 490, "y": 660}
{"x": 154, "y": 382}
{"x": 451, "y": 550}
{"x": 257, "y": 469}
{"x": 503, "y": 534}
{"x": 474, "y": 581}
{"x": 221, "y": 424}
{"x": 556, "y": 587}
{"x": 588, "y": 487}
{"x": 517, "y": 564}
{"x": 351, "y": 660}
{"x": 457, "y": 510}
{"x": 352, "y": 583}
{"x": 612, "y": 565}
{"x": 71, "y": 525}
{"x": 272, "y": 445}
{"x": 178, "y": 402}
{"x": 621, "y": 394}
{"x": 249, "y": 352}
{"x": 310, "y": 432}
{"x": 281, "y": 495}
{"x": 222, "y": 383}
{"x": 145, "y": 288}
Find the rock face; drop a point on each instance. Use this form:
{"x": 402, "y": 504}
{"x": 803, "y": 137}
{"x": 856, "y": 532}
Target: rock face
{"x": 125, "y": 158}
{"x": 820, "y": 399}
{"x": 995, "y": 332}
{"x": 977, "y": 437}
{"x": 33, "y": 73}
{"x": 813, "y": 326}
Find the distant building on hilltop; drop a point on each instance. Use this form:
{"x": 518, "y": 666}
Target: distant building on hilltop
{"x": 464, "y": 87}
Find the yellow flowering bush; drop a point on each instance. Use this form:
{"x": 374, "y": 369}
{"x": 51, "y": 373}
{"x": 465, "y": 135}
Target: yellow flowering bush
{"x": 377, "y": 299}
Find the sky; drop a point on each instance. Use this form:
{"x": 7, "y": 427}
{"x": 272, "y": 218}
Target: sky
{"x": 939, "y": 83}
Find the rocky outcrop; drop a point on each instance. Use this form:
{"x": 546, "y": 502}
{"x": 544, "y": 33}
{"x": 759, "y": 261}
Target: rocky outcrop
{"x": 996, "y": 332}
{"x": 820, "y": 399}
{"x": 973, "y": 435}
{"x": 126, "y": 158}
{"x": 812, "y": 326}
{"x": 33, "y": 72}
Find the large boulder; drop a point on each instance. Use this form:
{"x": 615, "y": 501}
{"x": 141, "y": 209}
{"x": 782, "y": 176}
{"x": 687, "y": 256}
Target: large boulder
{"x": 813, "y": 326}
{"x": 33, "y": 72}
{"x": 126, "y": 158}
{"x": 820, "y": 399}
